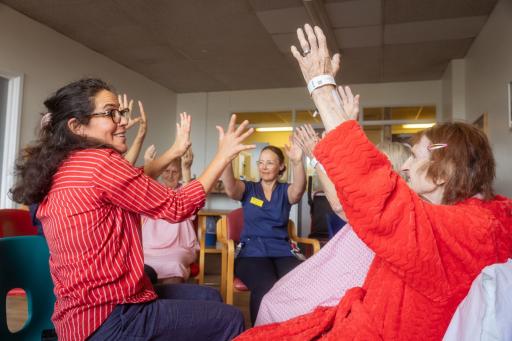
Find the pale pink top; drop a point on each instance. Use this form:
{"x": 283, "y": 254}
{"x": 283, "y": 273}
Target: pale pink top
{"x": 320, "y": 281}
{"x": 169, "y": 248}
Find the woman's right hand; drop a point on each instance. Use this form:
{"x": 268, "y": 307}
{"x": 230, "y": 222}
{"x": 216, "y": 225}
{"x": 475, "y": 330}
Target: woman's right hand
{"x": 182, "y": 141}
{"x": 230, "y": 141}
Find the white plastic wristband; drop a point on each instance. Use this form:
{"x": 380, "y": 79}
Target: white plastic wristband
{"x": 314, "y": 163}
{"x": 319, "y": 81}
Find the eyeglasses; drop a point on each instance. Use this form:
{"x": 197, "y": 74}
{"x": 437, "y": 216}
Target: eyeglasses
{"x": 260, "y": 163}
{"x": 115, "y": 114}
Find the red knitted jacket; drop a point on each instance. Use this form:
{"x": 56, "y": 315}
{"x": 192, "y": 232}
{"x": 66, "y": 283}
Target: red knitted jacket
{"x": 426, "y": 255}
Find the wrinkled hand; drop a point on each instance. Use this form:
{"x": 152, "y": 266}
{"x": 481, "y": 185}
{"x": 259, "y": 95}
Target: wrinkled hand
{"x": 316, "y": 59}
{"x": 293, "y": 151}
{"x": 150, "y": 154}
{"x": 306, "y": 138}
{"x": 349, "y": 102}
{"x": 187, "y": 158}
{"x": 182, "y": 141}
{"x": 230, "y": 141}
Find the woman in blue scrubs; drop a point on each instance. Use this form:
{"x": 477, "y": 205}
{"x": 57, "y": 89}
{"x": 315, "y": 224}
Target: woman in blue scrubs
{"x": 265, "y": 254}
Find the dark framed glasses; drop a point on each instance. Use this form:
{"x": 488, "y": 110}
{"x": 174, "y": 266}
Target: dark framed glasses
{"x": 115, "y": 114}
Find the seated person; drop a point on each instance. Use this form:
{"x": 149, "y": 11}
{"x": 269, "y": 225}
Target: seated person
{"x": 91, "y": 200}
{"x": 431, "y": 237}
{"x": 265, "y": 253}
{"x": 170, "y": 248}
{"x": 341, "y": 264}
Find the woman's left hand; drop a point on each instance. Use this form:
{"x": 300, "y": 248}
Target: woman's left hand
{"x": 293, "y": 151}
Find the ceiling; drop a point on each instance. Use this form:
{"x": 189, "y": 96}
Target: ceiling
{"x": 217, "y": 45}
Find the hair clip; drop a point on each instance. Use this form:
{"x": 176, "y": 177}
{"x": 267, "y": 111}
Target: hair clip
{"x": 45, "y": 120}
{"x": 435, "y": 146}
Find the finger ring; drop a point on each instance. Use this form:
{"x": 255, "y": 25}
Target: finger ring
{"x": 306, "y": 52}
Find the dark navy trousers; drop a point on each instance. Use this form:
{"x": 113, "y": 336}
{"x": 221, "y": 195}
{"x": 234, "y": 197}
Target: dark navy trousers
{"x": 182, "y": 312}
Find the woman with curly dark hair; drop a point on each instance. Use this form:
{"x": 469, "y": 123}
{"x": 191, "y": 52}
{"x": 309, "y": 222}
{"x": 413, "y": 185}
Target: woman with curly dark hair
{"x": 91, "y": 199}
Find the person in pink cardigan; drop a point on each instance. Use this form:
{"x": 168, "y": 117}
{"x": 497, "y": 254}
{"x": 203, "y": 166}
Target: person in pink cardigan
{"x": 431, "y": 238}
{"x": 170, "y": 248}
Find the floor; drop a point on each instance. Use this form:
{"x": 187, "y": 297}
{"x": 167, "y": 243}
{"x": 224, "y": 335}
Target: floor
{"x": 17, "y": 305}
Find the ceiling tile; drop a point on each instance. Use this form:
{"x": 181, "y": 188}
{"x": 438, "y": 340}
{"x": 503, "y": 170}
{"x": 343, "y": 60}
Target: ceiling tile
{"x": 443, "y": 29}
{"x": 399, "y": 11}
{"x": 359, "y": 36}
{"x": 354, "y": 13}
{"x": 283, "y": 20}
{"x": 266, "y": 5}
{"x": 421, "y": 61}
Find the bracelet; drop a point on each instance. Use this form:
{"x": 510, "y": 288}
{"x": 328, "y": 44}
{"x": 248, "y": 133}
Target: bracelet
{"x": 314, "y": 163}
{"x": 319, "y": 81}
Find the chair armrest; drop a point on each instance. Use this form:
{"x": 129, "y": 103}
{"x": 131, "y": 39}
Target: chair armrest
{"x": 313, "y": 242}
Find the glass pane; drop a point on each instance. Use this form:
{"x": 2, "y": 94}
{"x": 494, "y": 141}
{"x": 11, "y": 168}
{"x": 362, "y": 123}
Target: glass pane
{"x": 400, "y": 113}
{"x": 306, "y": 116}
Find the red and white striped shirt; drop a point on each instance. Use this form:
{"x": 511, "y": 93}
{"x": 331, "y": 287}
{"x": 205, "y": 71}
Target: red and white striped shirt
{"x": 91, "y": 219}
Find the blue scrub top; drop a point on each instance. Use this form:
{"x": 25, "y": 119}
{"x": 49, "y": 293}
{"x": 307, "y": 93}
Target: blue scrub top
{"x": 265, "y": 231}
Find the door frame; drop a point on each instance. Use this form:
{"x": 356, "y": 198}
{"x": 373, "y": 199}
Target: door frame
{"x": 11, "y": 135}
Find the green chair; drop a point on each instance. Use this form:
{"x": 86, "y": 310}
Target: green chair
{"x": 24, "y": 264}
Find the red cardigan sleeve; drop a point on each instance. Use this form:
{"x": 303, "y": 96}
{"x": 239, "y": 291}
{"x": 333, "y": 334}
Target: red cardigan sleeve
{"x": 128, "y": 187}
{"x": 430, "y": 246}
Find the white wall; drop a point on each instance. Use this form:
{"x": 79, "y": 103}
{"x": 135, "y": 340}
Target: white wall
{"x": 49, "y": 60}
{"x": 454, "y": 91}
{"x": 215, "y": 108}
{"x": 488, "y": 71}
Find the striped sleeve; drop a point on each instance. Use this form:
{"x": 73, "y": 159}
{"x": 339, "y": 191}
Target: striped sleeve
{"x": 128, "y": 187}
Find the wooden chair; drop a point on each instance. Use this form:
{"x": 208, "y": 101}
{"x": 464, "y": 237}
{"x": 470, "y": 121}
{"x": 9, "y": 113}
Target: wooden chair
{"x": 228, "y": 233}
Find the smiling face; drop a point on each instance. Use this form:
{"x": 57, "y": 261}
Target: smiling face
{"x": 102, "y": 128}
{"x": 416, "y": 168}
{"x": 269, "y": 165}
{"x": 172, "y": 175}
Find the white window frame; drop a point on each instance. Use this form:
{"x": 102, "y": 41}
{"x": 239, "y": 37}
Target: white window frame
{"x": 11, "y": 135}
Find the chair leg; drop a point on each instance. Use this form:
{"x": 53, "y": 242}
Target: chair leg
{"x": 223, "y": 274}
{"x": 229, "y": 277}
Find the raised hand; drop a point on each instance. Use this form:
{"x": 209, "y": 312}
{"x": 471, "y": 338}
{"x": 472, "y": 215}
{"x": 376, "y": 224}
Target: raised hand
{"x": 150, "y": 154}
{"x": 315, "y": 59}
{"x": 293, "y": 151}
{"x": 182, "y": 141}
{"x": 125, "y": 104}
{"x": 187, "y": 158}
{"x": 306, "y": 137}
{"x": 349, "y": 102}
{"x": 230, "y": 141}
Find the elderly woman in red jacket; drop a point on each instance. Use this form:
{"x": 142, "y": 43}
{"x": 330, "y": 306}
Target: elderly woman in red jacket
{"x": 429, "y": 242}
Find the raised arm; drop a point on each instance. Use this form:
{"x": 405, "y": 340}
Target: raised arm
{"x": 133, "y": 152}
{"x": 425, "y": 244}
{"x": 181, "y": 144}
{"x": 317, "y": 62}
{"x": 230, "y": 145}
{"x": 186, "y": 163}
{"x": 298, "y": 186}
{"x": 234, "y": 187}
{"x": 307, "y": 139}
